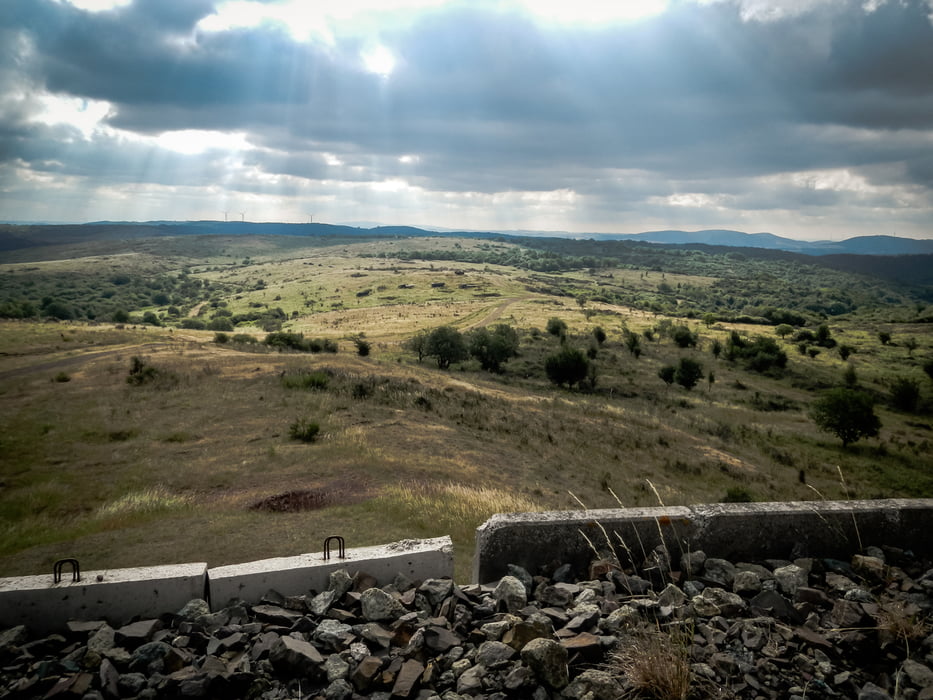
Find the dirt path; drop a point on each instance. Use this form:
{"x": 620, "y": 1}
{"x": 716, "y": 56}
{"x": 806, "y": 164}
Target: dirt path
{"x": 495, "y": 314}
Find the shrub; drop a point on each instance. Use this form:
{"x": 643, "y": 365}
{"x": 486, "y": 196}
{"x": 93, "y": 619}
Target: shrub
{"x": 283, "y": 340}
{"x": 244, "y": 339}
{"x": 849, "y": 376}
{"x": 304, "y": 430}
{"x": 884, "y": 337}
{"x": 667, "y": 373}
{"x": 221, "y": 338}
{"x": 847, "y": 413}
{"x": 688, "y": 373}
{"x": 684, "y": 337}
{"x": 556, "y": 327}
{"x": 445, "y": 345}
{"x": 140, "y": 372}
{"x": 194, "y": 324}
{"x": 905, "y": 394}
{"x": 306, "y": 380}
{"x": 568, "y": 366}
{"x": 716, "y": 348}
{"x": 493, "y": 348}
{"x": 221, "y": 323}
{"x": 120, "y": 316}
{"x": 633, "y": 343}
{"x": 737, "y": 494}
{"x": 599, "y": 334}
{"x": 845, "y": 351}
{"x": 760, "y": 354}
{"x": 150, "y": 319}
{"x": 62, "y": 377}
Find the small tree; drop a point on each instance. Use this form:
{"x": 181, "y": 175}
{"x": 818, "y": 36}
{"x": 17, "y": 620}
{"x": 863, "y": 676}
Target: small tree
{"x": 556, "y": 327}
{"x": 884, "y": 337}
{"x": 495, "y": 347}
{"x": 684, "y": 337}
{"x": 845, "y": 351}
{"x": 417, "y": 344}
{"x": 599, "y": 334}
{"x": 710, "y": 380}
{"x": 569, "y": 366}
{"x": 446, "y": 345}
{"x": 847, "y": 413}
{"x": 849, "y": 376}
{"x": 709, "y": 319}
{"x": 783, "y": 329}
{"x": 716, "y": 348}
{"x": 666, "y": 373}
{"x": 688, "y": 373}
{"x": 633, "y": 343}
{"x": 905, "y": 394}
{"x": 911, "y": 344}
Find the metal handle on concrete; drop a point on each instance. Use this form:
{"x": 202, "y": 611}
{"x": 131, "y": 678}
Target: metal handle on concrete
{"x": 341, "y": 547}
{"x": 59, "y": 565}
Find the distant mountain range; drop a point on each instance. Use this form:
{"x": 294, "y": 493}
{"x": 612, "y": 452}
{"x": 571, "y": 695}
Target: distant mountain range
{"x": 14, "y": 236}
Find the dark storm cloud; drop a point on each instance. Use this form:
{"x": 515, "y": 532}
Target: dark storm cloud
{"x": 494, "y": 101}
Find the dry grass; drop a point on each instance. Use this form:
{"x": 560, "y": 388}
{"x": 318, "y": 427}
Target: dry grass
{"x": 900, "y": 623}
{"x": 155, "y": 499}
{"x": 655, "y": 663}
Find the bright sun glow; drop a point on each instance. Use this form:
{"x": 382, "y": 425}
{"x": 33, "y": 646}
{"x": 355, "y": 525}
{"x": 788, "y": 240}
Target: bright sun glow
{"x": 98, "y": 5}
{"x": 593, "y": 11}
{"x": 195, "y": 141}
{"x": 84, "y": 115}
{"x": 379, "y": 60}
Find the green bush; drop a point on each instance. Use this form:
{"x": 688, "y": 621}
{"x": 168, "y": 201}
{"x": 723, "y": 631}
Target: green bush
{"x": 737, "y": 494}
{"x": 304, "y": 430}
{"x": 494, "y": 347}
{"x": 688, "y": 373}
{"x": 568, "y": 366}
{"x": 905, "y": 394}
{"x": 847, "y": 413}
{"x": 306, "y": 380}
{"x": 445, "y": 345}
{"x": 556, "y": 327}
{"x": 244, "y": 339}
{"x": 684, "y": 337}
{"x": 221, "y": 338}
{"x": 62, "y": 377}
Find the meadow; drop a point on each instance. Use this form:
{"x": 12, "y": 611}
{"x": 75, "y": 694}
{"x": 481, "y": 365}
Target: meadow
{"x": 130, "y": 443}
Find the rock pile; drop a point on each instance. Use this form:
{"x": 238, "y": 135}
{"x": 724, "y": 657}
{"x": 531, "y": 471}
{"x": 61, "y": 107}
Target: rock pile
{"x": 811, "y": 628}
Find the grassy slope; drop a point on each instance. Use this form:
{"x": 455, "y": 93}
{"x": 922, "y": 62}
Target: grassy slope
{"x": 121, "y": 475}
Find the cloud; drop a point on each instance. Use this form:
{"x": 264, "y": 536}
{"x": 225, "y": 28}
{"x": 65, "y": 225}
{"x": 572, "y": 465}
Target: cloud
{"x": 726, "y": 111}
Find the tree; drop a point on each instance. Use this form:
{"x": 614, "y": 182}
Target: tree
{"x": 905, "y": 394}
{"x": 151, "y": 319}
{"x": 849, "y": 414}
{"x": 633, "y": 343}
{"x": 493, "y": 348}
{"x": 716, "y": 348}
{"x": 666, "y": 373}
{"x": 783, "y": 329}
{"x": 599, "y": 334}
{"x": 688, "y": 373}
{"x": 446, "y": 345}
{"x": 569, "y": 366}
{"x": 417, "y": 344}
{"x": 684, "y": 337}
{"x": 556, "y": 327}
{"x": 884, "y": 337}
{"x": 849, "y": 376}
{"x": 844, "y": 351}
{"x": 911, "y": 344}
{"x": 709, "y": 319}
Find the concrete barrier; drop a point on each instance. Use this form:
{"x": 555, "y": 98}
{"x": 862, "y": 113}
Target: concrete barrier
{"x": 731, "y": 531}
{"x": 417, "y": 559}
{"x": 115, "y": 595}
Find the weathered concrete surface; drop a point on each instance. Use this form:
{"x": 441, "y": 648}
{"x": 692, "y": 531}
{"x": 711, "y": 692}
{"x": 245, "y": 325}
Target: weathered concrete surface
{"x": 115, "y": 595}
{"x": 729, "y": 531}
{"x": 417, "y": 559}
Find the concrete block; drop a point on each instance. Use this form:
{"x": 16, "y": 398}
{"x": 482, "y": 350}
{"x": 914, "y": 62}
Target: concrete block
{"x": 417, "y": 559}
{"x": 727, "y": 530}
{"x": 115, "y": 595}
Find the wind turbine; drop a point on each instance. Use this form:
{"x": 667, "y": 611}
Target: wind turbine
{"x": 310, "y": 218}
{"x": 242, "y": 216}
{"x": 225, "y": 216}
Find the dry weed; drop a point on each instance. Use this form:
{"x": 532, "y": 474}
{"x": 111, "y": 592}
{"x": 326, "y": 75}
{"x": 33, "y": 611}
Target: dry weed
{"x": 655, "y": 663}
{"x": 900, "y": 622}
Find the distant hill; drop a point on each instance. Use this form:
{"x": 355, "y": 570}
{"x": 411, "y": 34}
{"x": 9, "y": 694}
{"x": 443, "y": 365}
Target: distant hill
{"x": 16, "y": 236}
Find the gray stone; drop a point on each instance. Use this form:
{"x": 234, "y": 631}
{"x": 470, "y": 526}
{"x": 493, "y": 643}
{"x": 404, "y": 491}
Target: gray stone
{"x": 511, "y": 593}
{"x": 436, "y": 590}
{"x": 494, "y": 654}
{"x": 150, "y": 657}
{"x": 335, "y": 668}
{"x": 379, "y": 605}
{"x": 194, "y": 608}
{"x": 321, "y": 603}
{"x": 719, "y": 571}
{"x": 746, "y": 582}
{"x": 671, "y": 596}
{"x": 626, "y": 617}
{"x": 692, "y": 562}
{"x": 593, "y": 684}
{"x": 790, "y": 578}
{"x": 294, "y": 655}
{"x": 870, "y": 691}
{"x": 131, "y": 684}
{"x": 332, "y": 634}
{"x": 919, "y": 674}
{"x": 470, "y": 682}
{"x": 522, "y": 575}
{"x": 136, "y": 633}
{"x": 340, "y": 583}
{"x": 102, "y": 640}
{"x": 338, "y": 690}
{"x": 548, "y": 661}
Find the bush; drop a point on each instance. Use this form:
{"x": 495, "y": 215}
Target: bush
{"x": 760, "y": 354}
{"x": 688, "y": 373}
{"x": 844, "y": 351}
{"x": 221, "y": 338}
{"x": 445, "y": 345}
{"x": 633, "y": 343}
{"x": 737, "y": 494}
{"x": 306, "y": 380}
{"x": 599, "y": 334}
{"x": 556, "y": 327}
{"x": 150, "y": 319}
{"x": 244, "y": 339}
{"x": 905, "y": 394}
{"x": 884, "y": 337}
{"x": 568, "y": 366}
{"x": 304, "y": 430}
{"x": 493, "y": 348}
{"x": 221, "y": 323}
{"x": 62, "y": 377}
{"x": 684, "y": 337}
{"x": 193, "y": 324}
{"x": 847, "y": 413}
{"x": 667, "y": 373}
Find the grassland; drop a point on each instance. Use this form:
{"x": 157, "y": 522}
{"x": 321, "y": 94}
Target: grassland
{"x": 171, "y": 470}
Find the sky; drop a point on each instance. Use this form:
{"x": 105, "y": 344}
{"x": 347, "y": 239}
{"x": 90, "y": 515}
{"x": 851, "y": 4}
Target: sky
{"x": 811, "y": 119}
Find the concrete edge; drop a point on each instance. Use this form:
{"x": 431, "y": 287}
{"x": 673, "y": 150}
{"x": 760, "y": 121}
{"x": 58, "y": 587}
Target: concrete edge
{"x": 727, "y": 530}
